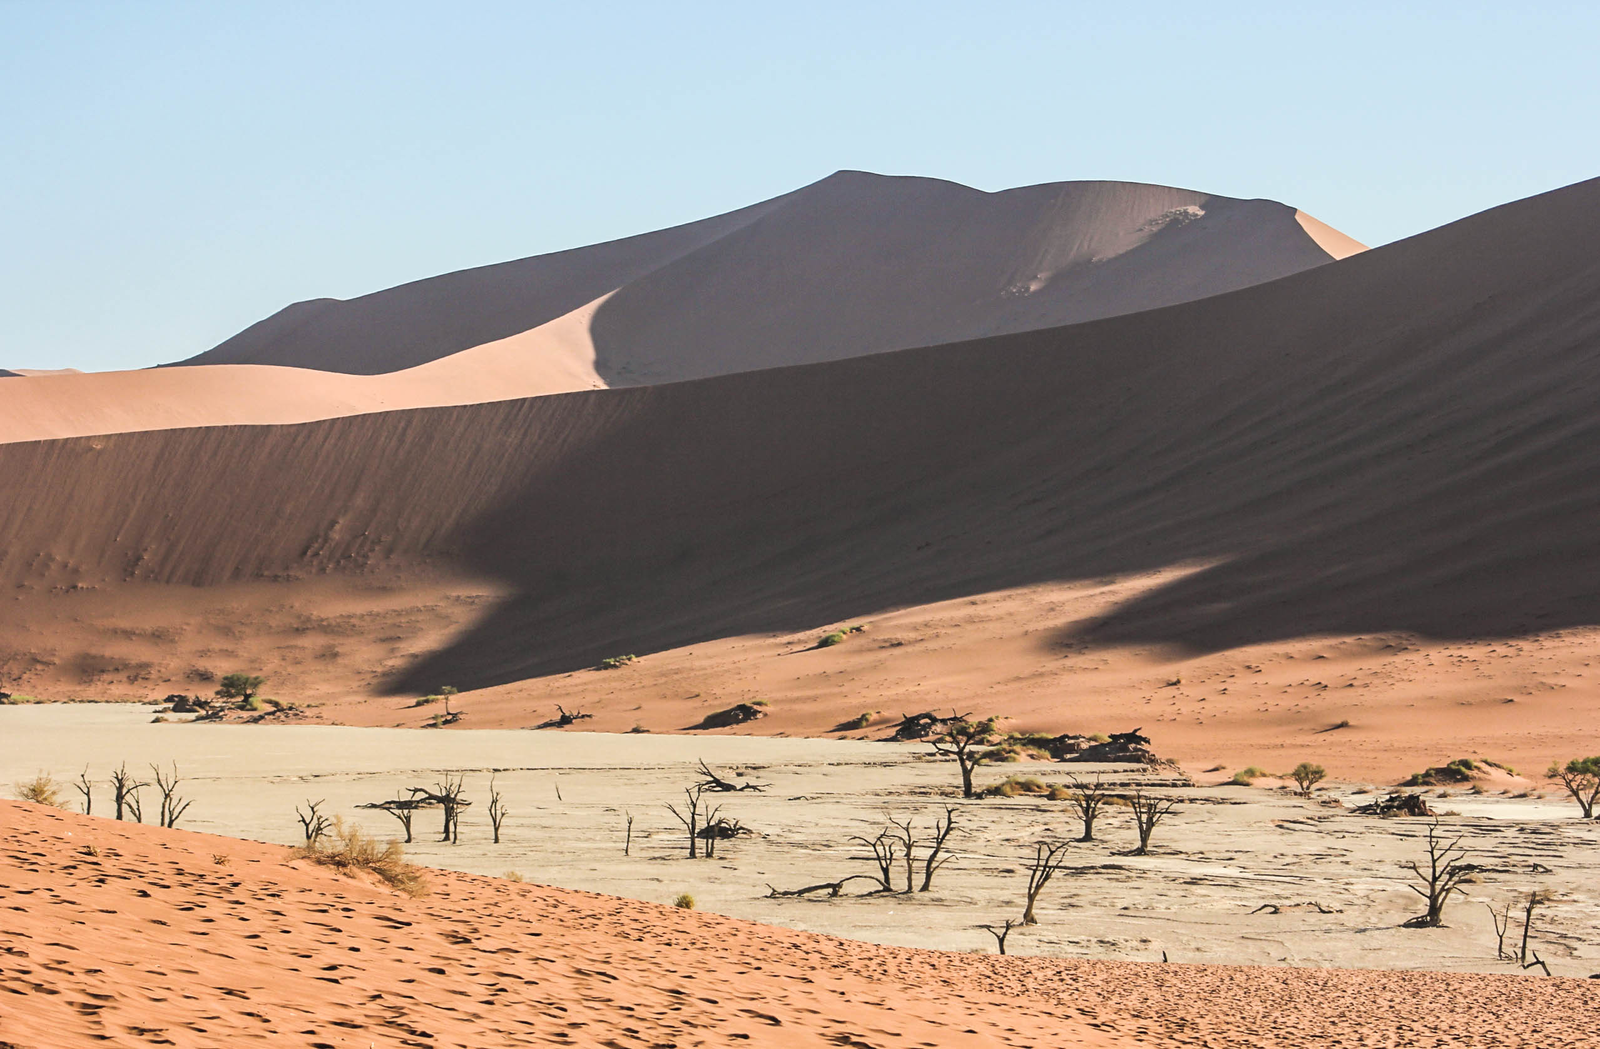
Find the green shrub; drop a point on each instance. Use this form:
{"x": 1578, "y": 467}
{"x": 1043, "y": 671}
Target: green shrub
{"x": 240, "y": 686}
{"x": 684, "y": 902}
{"x": 829, "y": 640}
{"x": 1244, "y": 777}
{"x": 614, "y": 662}
{"x": 1307, "y": 776}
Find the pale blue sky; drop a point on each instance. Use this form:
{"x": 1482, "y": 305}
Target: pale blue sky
{"x": 174, "y": 172}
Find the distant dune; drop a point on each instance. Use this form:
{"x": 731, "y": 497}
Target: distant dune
{"x": 851, "y": 265}
{"x": 1400, "y": 441}
{"x": 856, "y": 263}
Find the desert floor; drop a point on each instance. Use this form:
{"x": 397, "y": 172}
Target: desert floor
{"x": 1402, "y": 702}
{"x": 1223, "y": 854}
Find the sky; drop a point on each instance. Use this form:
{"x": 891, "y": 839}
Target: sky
{"x": 171, "y": 173}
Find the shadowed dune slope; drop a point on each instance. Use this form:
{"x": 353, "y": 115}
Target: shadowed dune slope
{"x": 856, "y": 263}
{"x": 117, "y": 933}
{"x": 1404, "y": 440}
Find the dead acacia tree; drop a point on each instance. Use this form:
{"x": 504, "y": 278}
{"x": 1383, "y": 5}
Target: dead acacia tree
{"x": 690, "y": 817}
{"x": 627, "y": 841}
{"x": 1001, "y": 933}
{"x": 965, "y": 741}
{"x": 401, "y": 808}
{"x": 1502, "y": 922}
{"x": 1446, "y": 870}
{"x": 718, "y": 827}
{"x": 313, "y": 823}
{"x": 715, "y": 782}
{"x": 1148, "y": 810}
{"x": 172, "y": 806}
{"x": 937, "y": 855}
{"x": 906, "y": 837}
{"x": 1534, "y": 899}
{"x": 1048, "y": 858}
{"x": 497, "y": 810}
{"x": 833, "y": 887}
{"x": 86, "y": 788}
{"x": 125, "y": 792}
{"x": 449, "y": 794}
{"x": 884, "y": 848}
{"x": 1086, "y": 800}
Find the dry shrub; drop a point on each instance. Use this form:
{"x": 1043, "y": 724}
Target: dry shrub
{"x": 684, "y": 902}
{"x": 1012, "y": 786}
{"x": 41, "y": 790}
{"x": 348, "y": 850}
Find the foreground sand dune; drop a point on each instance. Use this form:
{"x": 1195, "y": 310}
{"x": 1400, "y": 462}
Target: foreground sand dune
{"x": 135, "y": 935}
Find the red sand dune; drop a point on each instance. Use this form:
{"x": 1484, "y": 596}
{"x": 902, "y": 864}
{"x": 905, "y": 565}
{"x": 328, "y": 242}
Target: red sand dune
{"x": 1402, "y": 441}
{"x": 854, "y": 264}
{"x": 116, "y": 933}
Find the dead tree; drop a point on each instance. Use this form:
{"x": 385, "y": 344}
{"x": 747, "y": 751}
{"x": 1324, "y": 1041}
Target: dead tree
{"x": 965, "y": 741}
{"x": 1086, "y": 800}
{"x": 1534, "y": 899}
{"x": 1502, "y": 922}
{"x": 86, "y": 788}
{"x": 1001, "y": 933}
{"x": 937, "y": 856}
{"x": 401, "y": 808}
{"x": 719, "y": 828}
{"x": 172, "y": 806}
{"x": 313, "y": 823}
{"x": 715, "y": 782}
{"x": 497, "y": 810}
{"x": 1148, "y": 810}
{"x": 904, "y": 836}
{"x": 833, "y": 887}
{"x": 690, "y": 817}
{"x": 1048, "y": 858}
{"x": 907, "y": 838}
{"x": 449, "y": 794}
{"x": 884, "y": 851}
{"x": 627, "y": 841}
{"x": 1446, "y": 871}
{"x": 125, "y": 791}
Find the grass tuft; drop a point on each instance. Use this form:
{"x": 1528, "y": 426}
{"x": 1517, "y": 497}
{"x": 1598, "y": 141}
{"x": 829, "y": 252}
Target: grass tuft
{"x": 41, "y": 790}
{"x": 348, "y": 850}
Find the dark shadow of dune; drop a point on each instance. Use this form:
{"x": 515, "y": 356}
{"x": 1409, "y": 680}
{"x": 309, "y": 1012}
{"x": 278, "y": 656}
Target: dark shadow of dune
{"x": 1403, "y": 441}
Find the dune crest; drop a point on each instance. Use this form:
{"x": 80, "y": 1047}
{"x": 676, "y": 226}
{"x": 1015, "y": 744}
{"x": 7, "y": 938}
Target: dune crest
{"x": 556, "y": 356}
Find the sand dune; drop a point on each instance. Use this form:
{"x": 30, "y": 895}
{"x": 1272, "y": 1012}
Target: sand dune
{"x": 557, "y": 355}
{"x": 853, "y": 264}
{"x": 129, "y": 933}
{"x": 1396, "y": 443}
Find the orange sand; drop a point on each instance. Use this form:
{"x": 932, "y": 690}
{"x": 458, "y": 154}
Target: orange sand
{"x": 126, "y": 934}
